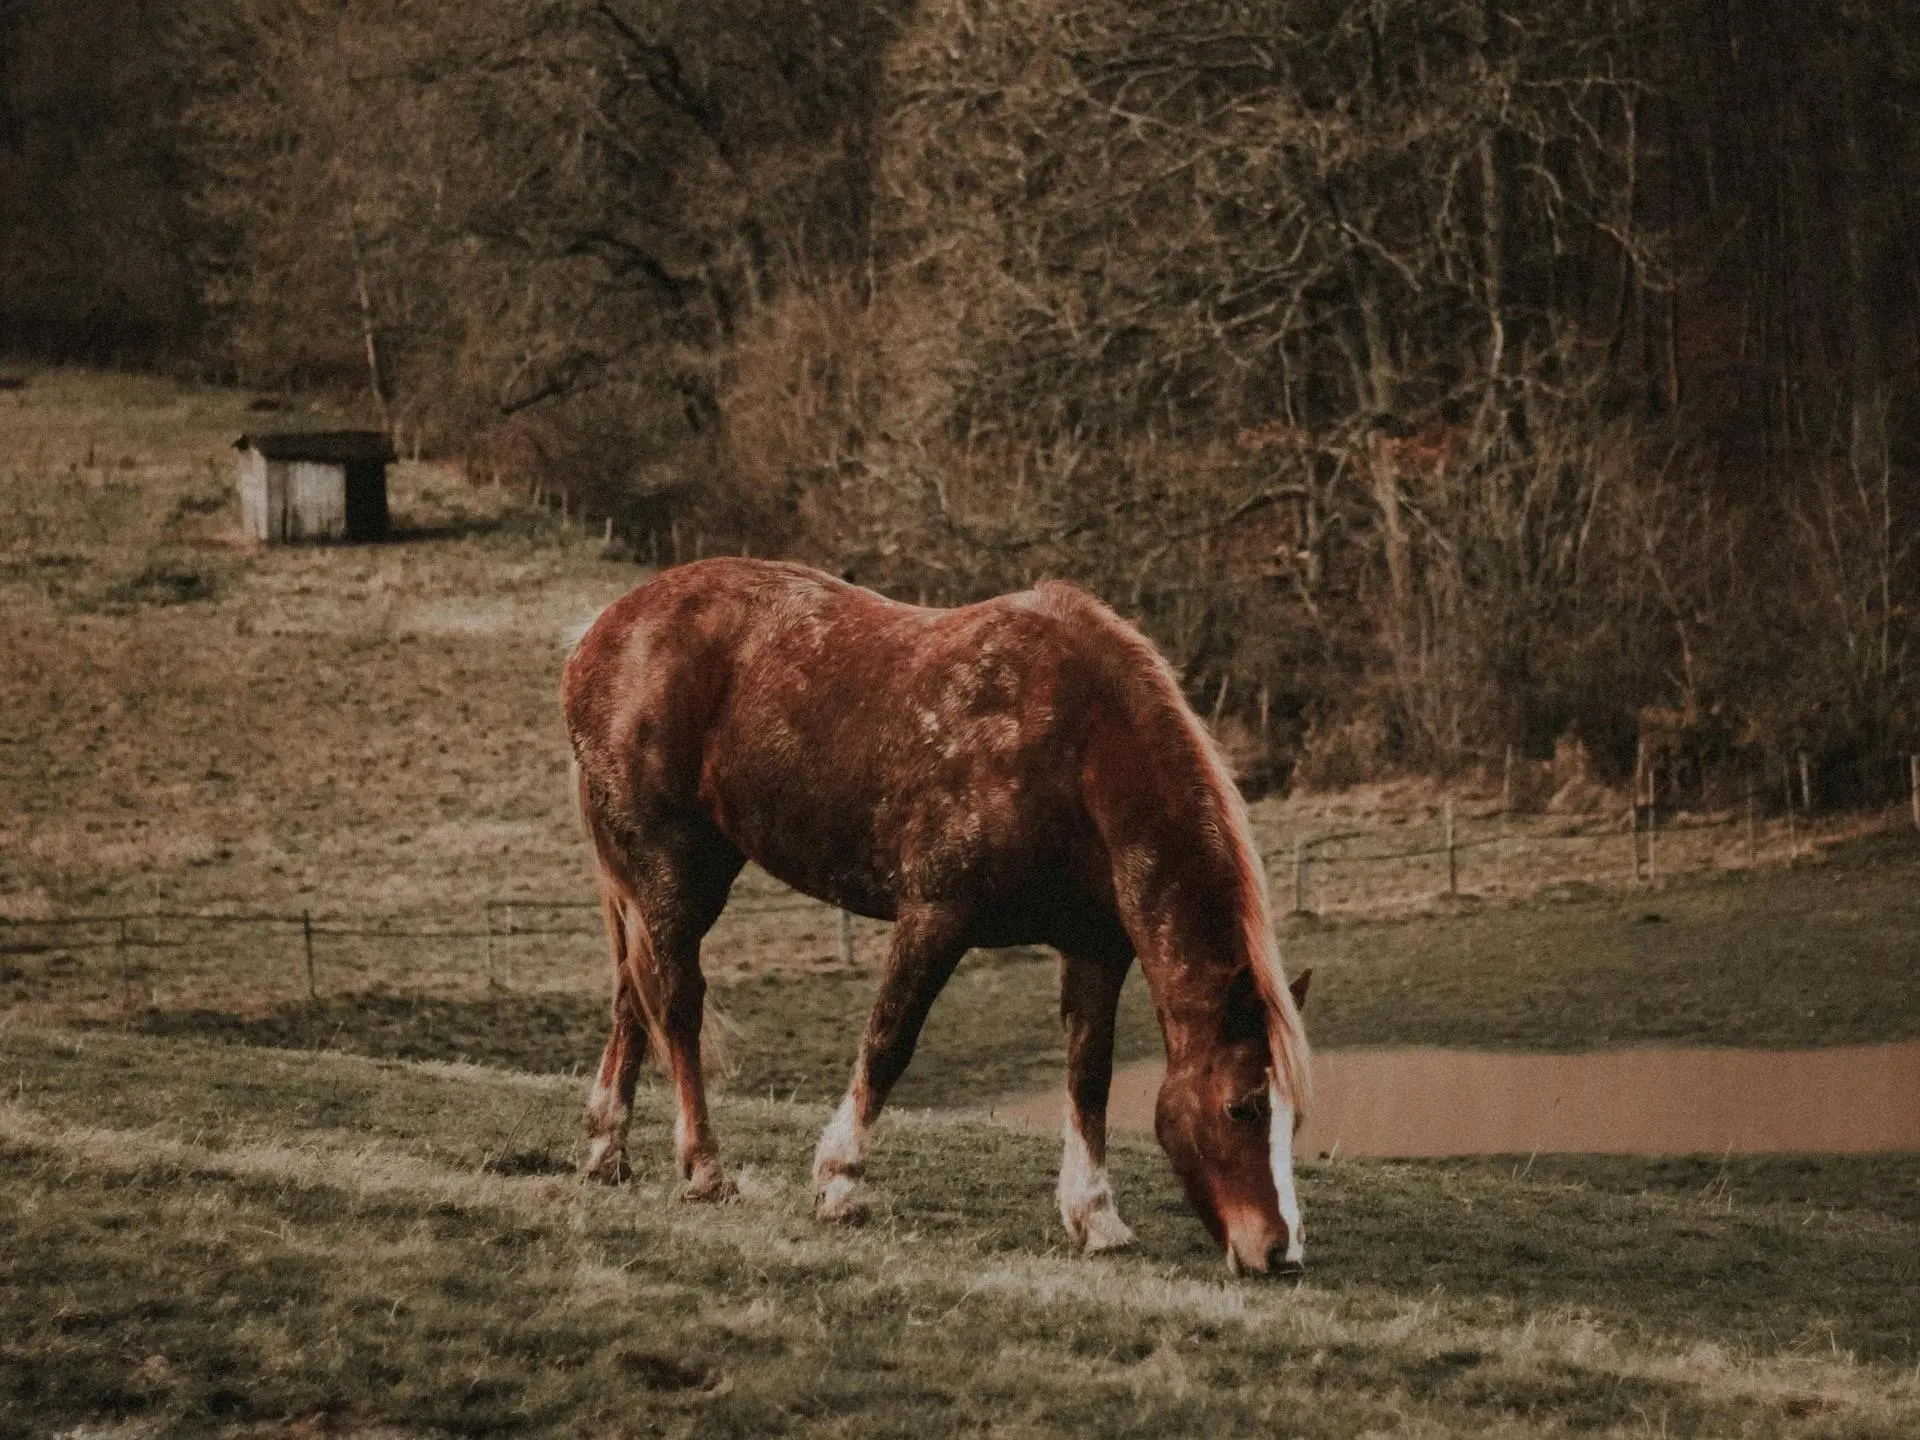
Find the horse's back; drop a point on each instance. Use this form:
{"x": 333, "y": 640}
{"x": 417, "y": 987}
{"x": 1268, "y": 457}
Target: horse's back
{"x": 858, "y": 748}
{"x": 656, "y": 666}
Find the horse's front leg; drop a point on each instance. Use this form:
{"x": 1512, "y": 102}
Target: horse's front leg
{"x": 927, "y": 944}
{"x": 1089, "y": 1003}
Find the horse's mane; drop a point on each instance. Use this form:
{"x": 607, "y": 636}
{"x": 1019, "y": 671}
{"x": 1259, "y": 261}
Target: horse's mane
{"x": 1159, "y": 689}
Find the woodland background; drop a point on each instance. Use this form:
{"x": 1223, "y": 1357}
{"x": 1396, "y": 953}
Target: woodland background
{"x": 1430, "y": 378}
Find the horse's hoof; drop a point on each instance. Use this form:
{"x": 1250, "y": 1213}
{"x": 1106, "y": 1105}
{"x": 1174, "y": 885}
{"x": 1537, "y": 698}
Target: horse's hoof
{"x": 842, "y": 1201}
{"x": 1104, "y": 1232}
{"x": 606, "y": 1165}
{"x": 710, "y": 1186}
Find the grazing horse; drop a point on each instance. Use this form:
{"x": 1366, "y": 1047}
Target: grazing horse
{"x": 1022, "y": 771}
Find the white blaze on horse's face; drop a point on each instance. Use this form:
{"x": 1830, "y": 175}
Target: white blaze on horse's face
{"x": 1280, "y": 1143}
{"x": 1254, "y": 1241}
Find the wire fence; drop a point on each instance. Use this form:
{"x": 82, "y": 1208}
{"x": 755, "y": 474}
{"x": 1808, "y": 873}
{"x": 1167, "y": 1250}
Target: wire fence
{"x": 240, "y": 959}
{"x": 245, "y": 959}
{"x": 1503, "y": 851}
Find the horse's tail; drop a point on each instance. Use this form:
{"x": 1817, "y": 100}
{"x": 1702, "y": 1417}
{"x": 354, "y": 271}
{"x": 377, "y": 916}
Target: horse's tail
{"x": 636, "y": 978}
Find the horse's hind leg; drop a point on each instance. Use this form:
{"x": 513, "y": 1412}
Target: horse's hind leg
{"x": 695, "y": 1149}
{"x": 1089, "y": 1003}
{"x": 610, "y": 1101}
{"x": 927, "y": 944}
{"x": 658, "y": 913}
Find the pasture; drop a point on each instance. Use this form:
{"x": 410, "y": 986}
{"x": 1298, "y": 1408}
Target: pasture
{"x": 228, "y": 1209}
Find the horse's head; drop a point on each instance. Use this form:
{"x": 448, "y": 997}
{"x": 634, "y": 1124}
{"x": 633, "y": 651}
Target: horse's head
{"x": 1226, "y": 1119}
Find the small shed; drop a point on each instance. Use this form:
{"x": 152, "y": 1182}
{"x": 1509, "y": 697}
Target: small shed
{"x": 314, "y": 485}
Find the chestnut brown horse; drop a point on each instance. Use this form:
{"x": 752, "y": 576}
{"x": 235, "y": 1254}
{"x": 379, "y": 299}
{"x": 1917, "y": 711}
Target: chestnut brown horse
{"x": 1023, "y": 771}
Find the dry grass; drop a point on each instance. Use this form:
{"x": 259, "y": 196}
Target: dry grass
{"x": 245, "y": 1240}
{"x": 264, "y": 1242}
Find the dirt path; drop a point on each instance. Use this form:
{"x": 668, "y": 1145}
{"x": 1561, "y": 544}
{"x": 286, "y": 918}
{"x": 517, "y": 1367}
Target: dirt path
{"x": 1851, "y": 1099}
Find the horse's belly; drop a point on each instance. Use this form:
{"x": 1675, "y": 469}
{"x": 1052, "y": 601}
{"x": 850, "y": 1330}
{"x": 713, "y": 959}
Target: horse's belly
{"x": 868, "y": 849}
{"x": 821, "y": 845}
{"x": 865, "y": 893}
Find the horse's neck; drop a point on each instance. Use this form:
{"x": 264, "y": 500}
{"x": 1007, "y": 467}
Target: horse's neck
{"x": 1192, "y": 946}
{"x": 1178, "y": 885}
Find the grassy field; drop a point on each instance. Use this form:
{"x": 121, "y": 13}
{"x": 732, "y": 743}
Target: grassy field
{"x": 1807, "y": 957}
{"x": 265, "y": 1242}
{"x": 226, "y": 1207}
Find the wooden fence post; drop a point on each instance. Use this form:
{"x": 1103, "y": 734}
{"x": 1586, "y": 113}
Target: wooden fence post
{"x": 491, "y": 984}
{"x": 1793, "y": 833}
{"x": 1633, "y": 829}
{"x": 1453, "y": 855}
{"x": 1753, "y": 848}
{"x": 1913, "y": 787}
{"x": 846, "y": 938}
{"x": 306, "y": 932}
{"x": 1653, "y": 833}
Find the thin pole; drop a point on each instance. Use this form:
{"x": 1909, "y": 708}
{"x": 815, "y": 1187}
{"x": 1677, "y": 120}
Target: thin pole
{"x": 846, "y": 938}
{"x": 1633, "y": 828}
{"x": 491, "y": 984}
{"x": 306, "y": 932}
{"x": 1453, "y": 857}
{"x": 1653, "y": 831}
{"x": 1913, "y": 786}
{"x": 1753, "y": 846}
{"x": 1793, "y": 832}
{"x": 368, "y": 332}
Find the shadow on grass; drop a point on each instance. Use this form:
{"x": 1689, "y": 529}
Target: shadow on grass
{"x": 543, "y": 1033}
{"x": 404, "y": 531}
{"x": 993, "y": 1033}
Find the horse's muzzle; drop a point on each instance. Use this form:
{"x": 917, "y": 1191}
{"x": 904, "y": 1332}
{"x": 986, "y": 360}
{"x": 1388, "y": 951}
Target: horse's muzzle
{"x": 1280, "y": 1260}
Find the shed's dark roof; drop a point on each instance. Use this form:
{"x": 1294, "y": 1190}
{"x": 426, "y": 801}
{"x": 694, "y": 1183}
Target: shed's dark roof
{"x": 329, "y": 447}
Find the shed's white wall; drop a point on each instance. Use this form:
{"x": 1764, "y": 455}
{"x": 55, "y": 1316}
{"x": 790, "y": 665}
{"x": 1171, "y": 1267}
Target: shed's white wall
{"x": 283, "y": 500}
{"x": 316, "y": 500}
{"x": 256, "y": 507}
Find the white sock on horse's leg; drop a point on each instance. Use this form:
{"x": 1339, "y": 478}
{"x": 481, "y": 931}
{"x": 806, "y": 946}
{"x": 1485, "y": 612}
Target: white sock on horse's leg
{"x": 1086, "y": 1195}
{"x": 607, "y": 1120}
{"x": 839, "y": 1163}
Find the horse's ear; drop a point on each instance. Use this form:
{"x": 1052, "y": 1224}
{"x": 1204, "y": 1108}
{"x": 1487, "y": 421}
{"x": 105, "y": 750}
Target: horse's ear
{"x": 1299, "y": 989}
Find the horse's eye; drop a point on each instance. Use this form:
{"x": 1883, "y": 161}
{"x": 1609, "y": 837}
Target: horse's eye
{"x": 1245, "y": 1112}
